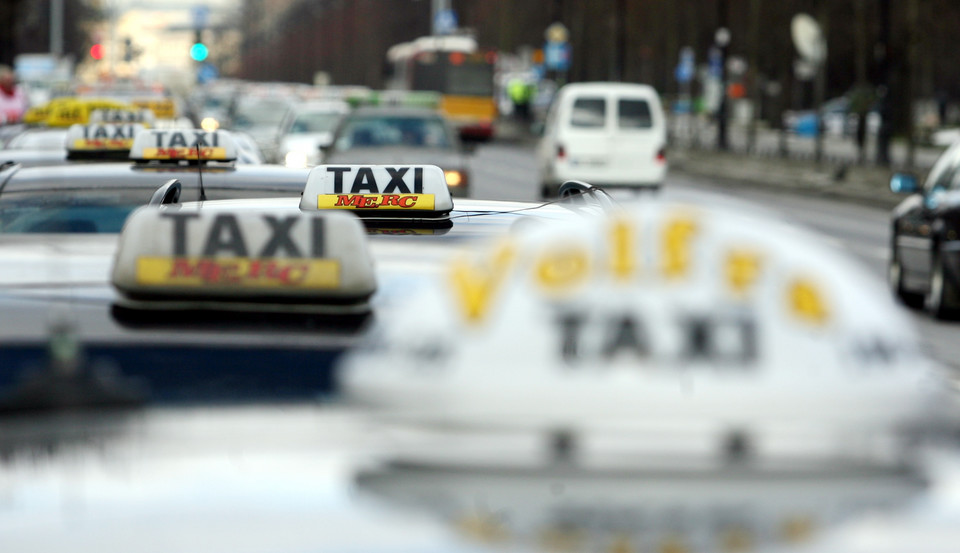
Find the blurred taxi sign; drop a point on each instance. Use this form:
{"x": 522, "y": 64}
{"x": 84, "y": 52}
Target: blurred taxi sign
{"x": 688, "y": 327}
{"x": 117, "y": 116}
{"x": 174, "y": 145}
{"x": 101, "y": 140}
{"x": 176, "y": 258}
{"x": 387, "y": 192}
{"x": 162, "y": 108}
{"x": 77, "y": 110}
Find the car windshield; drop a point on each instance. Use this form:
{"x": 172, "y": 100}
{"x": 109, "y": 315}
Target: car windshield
{"x": 315, "y": 122}
{"x": 385, "y": 131}
{"x": 259, "y": 113}
{"x": 49, "y": 211}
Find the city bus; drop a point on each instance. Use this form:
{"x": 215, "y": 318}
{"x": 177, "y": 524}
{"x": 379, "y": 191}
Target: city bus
{"x": 455, "y": 68}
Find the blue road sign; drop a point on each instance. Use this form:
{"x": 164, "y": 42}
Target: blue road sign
{"x": 445, "y": 22}
{"x": 556, "y": 56}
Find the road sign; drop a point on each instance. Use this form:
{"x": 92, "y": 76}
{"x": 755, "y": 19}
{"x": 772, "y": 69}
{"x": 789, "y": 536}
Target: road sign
{"x": 445, "y": 22}
{"x": 557, "y": 32}
{"x": 201, "y": 16}
{"x": 686, "y": 67}
{"x": 557, "y": 56}
{"x": 207, "y": 72}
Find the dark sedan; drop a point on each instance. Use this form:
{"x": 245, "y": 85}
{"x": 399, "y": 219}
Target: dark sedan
{"x": 925, "y": 240}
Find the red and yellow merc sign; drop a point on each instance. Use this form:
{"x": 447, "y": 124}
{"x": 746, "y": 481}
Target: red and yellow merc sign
{"x": 102, "y": 144}
{"x": 207, "y": 153}
{"x": 238, "y": 272}
{"x": 416, "y": 202}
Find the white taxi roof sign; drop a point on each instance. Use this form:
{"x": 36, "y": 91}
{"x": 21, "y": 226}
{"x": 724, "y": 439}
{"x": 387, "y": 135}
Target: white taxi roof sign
{"x": 101, "y": 138}
{"x": 664, "y": 314}
{"x": 390, "y": 192}
{"x": 175, "y": 257}
{"x": 176, "y": 145}
{"x": 143, "y": 116}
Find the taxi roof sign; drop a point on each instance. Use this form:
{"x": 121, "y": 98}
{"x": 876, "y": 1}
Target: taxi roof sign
{"x": 690, "y": 316}
{"x": 101, "y": 141}
{"x": 174, "y": 258}
{"x": 192, "y": 145}
{"x": 389, "y": 193}
{"x": 117, "y": 116}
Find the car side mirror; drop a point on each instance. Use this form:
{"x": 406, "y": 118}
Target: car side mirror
{"x": 903, "y": 183}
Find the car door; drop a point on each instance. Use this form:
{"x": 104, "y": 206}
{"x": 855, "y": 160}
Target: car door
{"x": 915, "y": 225}
{"x": 636, "y": 140}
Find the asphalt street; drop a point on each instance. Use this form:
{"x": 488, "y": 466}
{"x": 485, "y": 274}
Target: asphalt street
{"x": 509, "y": 171}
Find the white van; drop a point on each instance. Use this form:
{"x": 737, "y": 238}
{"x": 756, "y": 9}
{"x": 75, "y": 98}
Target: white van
{"x": 608, "y": 134}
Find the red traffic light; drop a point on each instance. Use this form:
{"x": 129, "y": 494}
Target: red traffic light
{"x": 96, "y": 51}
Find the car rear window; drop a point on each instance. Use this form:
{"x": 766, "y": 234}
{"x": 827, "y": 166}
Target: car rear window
{"x": 634, "y": 114}
{"x": 588, "y": 113}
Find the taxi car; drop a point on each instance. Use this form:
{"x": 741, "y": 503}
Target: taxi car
{"x": 660, "y": 376}
{"x": 97, "y": 197}
{"x": 533, "y": 360}
{"x": 401, "y": 135}
{"x": 411, "y": 223}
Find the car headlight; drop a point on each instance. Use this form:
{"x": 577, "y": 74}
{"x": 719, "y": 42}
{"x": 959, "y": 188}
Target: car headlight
{"x": 296, "y": 159}
{"x": 209, "y": 124}
{"x": 454, "y": 178}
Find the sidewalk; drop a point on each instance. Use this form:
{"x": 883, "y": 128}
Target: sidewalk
{"x": 866, "y": 185}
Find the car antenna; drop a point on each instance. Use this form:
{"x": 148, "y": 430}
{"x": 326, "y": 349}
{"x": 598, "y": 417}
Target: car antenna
{"x": 203, "y": 194}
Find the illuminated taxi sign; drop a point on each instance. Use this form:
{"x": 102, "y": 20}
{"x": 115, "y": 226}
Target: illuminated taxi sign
{"x": 120, "y": 116}
{"x": 162, "y": 108}
{"x": 188, "y": 145}
{"x": 660, "y": 314}
{"x": 101, "y": 137}
{"x": 260, "y": 256}
{"x": 77, "y": 110}
{"x": 378, "y": 190}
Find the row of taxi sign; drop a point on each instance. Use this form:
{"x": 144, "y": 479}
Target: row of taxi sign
{"x": 685, "y": 338}
{"x": 67, "y": 111}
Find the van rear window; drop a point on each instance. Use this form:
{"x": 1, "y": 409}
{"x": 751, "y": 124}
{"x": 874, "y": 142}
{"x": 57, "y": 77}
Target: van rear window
{"x": 634, "y": 114}
{"x": 589, "y": 112}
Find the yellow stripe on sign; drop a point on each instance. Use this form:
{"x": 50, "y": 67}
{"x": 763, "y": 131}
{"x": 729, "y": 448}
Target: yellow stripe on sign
{"x": 238, "y": 272}
{"x": 413, "y": 202}
{"x": 208, "y": 153}
{"x": 102, "y": 144}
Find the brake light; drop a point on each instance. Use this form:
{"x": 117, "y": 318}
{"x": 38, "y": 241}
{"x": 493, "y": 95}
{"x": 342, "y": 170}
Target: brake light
{"x": 561, "y": 153}
{"x": 662, "y": 155}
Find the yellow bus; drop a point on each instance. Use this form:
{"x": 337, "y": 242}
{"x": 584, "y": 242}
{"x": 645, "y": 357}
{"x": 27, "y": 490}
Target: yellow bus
{"x": 457, "y": 69}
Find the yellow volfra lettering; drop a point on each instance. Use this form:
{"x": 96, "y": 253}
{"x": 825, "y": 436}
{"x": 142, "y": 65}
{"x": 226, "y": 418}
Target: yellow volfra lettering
{"x": 742, "y": 269}
{"x": 677, "y": 235}
{"x": 476, "y": 287}
{"x": 560, "y": 270}
{"x": 806, "y": 302}
{"x": 623, "y": 261}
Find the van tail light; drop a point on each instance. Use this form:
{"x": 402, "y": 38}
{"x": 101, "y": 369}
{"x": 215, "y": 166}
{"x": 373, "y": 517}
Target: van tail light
{"x": 561, "y": 152}
{"x": 662, "y": 155}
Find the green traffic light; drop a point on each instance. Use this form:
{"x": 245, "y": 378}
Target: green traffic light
{"x": 199, "y": 51}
